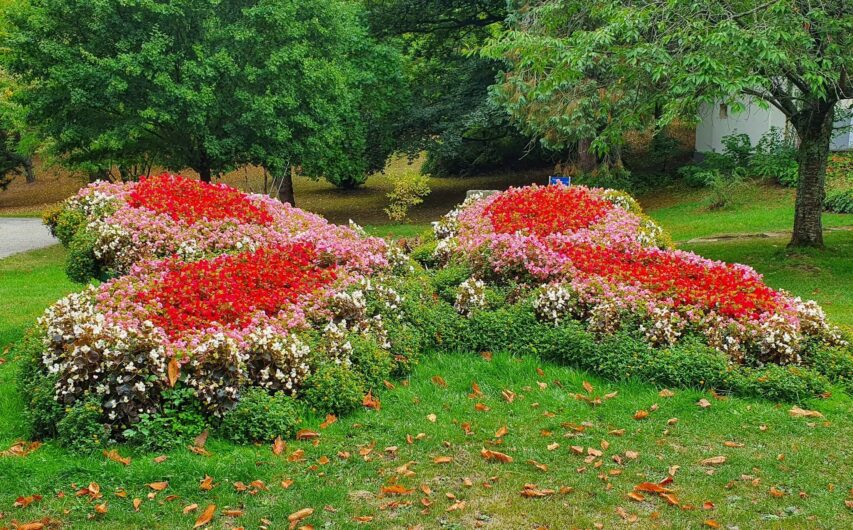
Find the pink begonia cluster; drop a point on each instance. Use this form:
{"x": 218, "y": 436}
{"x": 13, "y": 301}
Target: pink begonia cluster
{"x": 612, "y": 272}
{"x": 127, "y": 235}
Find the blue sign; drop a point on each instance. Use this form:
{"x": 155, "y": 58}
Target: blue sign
{"x": 556, "y": 179}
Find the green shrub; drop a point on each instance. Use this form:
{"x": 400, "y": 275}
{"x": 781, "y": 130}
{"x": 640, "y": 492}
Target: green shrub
{"x": 260, "y": 417}
{"x": 834, "y": 363}
{"x": 334, "y": 388}
{"x": 41, "y": 410}
{"x": 775, "y": 158}
{"x": 65, "y": 223}
{"x": 82, "y": 265}
{"x": 372, "y": 362}
{"x": 407, "y": 344}
{"x": 410, "y": 188}
{"x": 81, "y": 430}
{"x": 839, "y": 201}
{"x": 446, "y": 280}
{"x": 776, "y": 383}
{"x": 180, "y": 419}
{"x": 425, "y": 253}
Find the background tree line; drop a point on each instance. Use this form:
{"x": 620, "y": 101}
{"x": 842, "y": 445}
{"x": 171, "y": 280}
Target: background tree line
{"x": 332, "y": 88}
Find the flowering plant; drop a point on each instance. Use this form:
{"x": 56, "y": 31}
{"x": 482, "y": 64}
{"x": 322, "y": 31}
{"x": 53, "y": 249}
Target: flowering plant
{"x": 259, "y": 318}
{"x": 167, "y": 215}
{"x": 595, "y": 257}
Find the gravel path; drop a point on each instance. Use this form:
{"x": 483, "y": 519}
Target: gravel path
{"x": 19, "y": 234}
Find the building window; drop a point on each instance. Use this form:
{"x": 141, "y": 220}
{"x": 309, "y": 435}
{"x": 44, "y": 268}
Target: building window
{"x": 724, "y": 111}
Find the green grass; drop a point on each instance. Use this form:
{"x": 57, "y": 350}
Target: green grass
{"x": 757, "y": 208}
{"x": 804, "y": 459}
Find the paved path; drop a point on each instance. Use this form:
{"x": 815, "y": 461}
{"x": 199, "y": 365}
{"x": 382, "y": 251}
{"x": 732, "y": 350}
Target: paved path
{"x": 19, "y": 234}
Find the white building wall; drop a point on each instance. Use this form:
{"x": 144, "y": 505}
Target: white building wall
{"x": 718, "y": 121}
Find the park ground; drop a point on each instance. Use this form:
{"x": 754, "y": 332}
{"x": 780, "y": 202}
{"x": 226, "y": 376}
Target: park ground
{"x": 417, "y": 460}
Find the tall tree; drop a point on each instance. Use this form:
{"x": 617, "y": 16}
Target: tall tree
{"x": 677, "y": 54}
{"x": 450, "y": 115}
{"x": 204, "y": 84}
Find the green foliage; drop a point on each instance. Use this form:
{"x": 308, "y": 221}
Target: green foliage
{"x": 835, "y": 363}
{"x": 409, "y": 190}
{"x": 65, "y": 223}
{"x": 81, "y": 430}
{"x": 334, "y": 389}
{"x": 447, "y": 279}
{"x": 373, "y": 363}
{"x": 82, "y": 265}
{"x": 775, "y": 158}
{"x": 260, "y": 417}
{"x": 839, "y": 201}
{"x": 41, "y": 410}
{"x": 206, "y": 85}
{"x": 179, "y": 420}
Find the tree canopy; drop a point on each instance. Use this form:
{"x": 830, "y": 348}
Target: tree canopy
{"x": 603, "y": 67}
{"x": 206, "y": 84}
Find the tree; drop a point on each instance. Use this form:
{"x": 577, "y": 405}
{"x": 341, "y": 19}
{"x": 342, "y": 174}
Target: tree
{"x": 205, "y": 84}
{"x": 674, "y": 55}
{"x": 449, "y": 114}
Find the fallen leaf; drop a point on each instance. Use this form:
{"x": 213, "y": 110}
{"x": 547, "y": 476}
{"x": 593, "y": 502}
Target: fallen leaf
{"x": 396, "y": 489}
{"x": 206, "y": 516}
{"x": 588, "y": 387}
{"x": 23, "y": 502}
{"x": 371, "y": 402}
{"x": 728, "y": 443}
{"x": 439, "y": 381}
{"x": 278, "y": 445}
{"x": 500, "y": 433}
{"x": 537, "y": 465}
{"x": 160, "y": 459}
{"x": 136, "y": 504}
{"x": 174, "y": 371}
{"x": 797, "y": 412}
{"x": 190, "y": 508}
{"x": 713, "y": 461}
{"x": 641, "y": 415}
{"x": 666, "y": 393}
{"x": 113, "y": 455}
{"x": 651, "y": 487}
{"x": 158, "y": 486}
{"x": 442, "y": 460}
{"x": 206, "y": 483}
{"x": 330, "y": 419}
{"x": 305, "y": 434}
{"x": 297, "y": 516}
{"x": 494, "y": 455}
{"x": 704, "y": 403}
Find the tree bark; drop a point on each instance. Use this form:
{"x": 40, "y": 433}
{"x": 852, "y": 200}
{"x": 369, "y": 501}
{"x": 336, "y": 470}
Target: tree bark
{"x": 586, "y": 158}
{"x": 285, "y": 190}
{"x": 204, "y": 173}
{"x": 29, "y": 170}
{"x": 814, "y": 126}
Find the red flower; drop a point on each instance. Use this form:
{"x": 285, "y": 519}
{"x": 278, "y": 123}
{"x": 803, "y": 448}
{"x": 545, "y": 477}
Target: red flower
{"x": 228, "y": 289}
{"x": 190, "y": 200}
{"x": 717, "y": 286}
{"x": 545, "y": 210}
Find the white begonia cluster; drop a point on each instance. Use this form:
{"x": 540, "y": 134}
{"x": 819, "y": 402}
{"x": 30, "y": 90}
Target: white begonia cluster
{"x": 813, "y": 322}
{"x": 620, "y": 199}
{"x": 553, "y": 304}
{"x": 470, "y": 296}
{"x": 605, "y": 318}
{"x": 650, "y": 233}
{"x": 399, "y": 260}
{"x": 91, "y": 204}
{"x": 336, "y": 343}
{"x": 277, "y": 361}
{"x": 113, "y": 244}
{"x": 216, "y": 370}
{"x": 778, "y": 340}
{"x": 664, "y": 326}
{"x": 349, "y": 306}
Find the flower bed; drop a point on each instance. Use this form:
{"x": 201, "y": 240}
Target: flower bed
{"x": 594, "y": 257}
{"x": 110, "y": 227}
{"x": 266, "y": 318}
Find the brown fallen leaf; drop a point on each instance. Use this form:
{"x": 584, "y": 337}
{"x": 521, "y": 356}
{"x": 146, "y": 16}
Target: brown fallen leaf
{"x": 206, "y": 516}
{"x": 160, "y": 459}
{"x": 136, "y": 504}
{"x": 704, "y": 403}
{"x": 494, "y": 455}
{"x": 729, "y": 443}
{"x": 641, "y": 414}
{"x": 537, "y": 465}
{"x": 206, "y": 483}
{"x": 481, "y": 407}
{"x": 101, "y": 508}
{"x": 113, "y": 455}
{"x": 456, "y": 506}
{"x": 500, "y": 433}
{"x": 797, "y": 412}
{"x": 396, "y": 489}
{"x": 158, "y": 486}
{"x": 714, "y": 461}
{"x": 371, "y": 402}
{"x": 23, "y": 502}
{"x": 666, "y": 393}
{"x": 442, "y": 460}
{"x": 190, "y": 508}
{"x": 439, "y": 381}
{"x": 21, "y": 448}
{"x": 278, "y": 445}
{"x": 330, "y": 419}
{"x": 588, "y": 387}
{"x": 298, "y": 516}
{"x": 305, "y": 434}
{"x": 508, "y": 395}
{"x": 651, "y": 487}
{"x": 174, "y": 371}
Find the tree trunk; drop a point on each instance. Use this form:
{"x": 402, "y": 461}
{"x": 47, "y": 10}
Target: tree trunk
{"x": 203, "y": 173}
{"x": 586, "y": 158}
{"x": 285, "y": 190}
{"x": 814, "y": 126}
{"x": 29, "y": 170}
